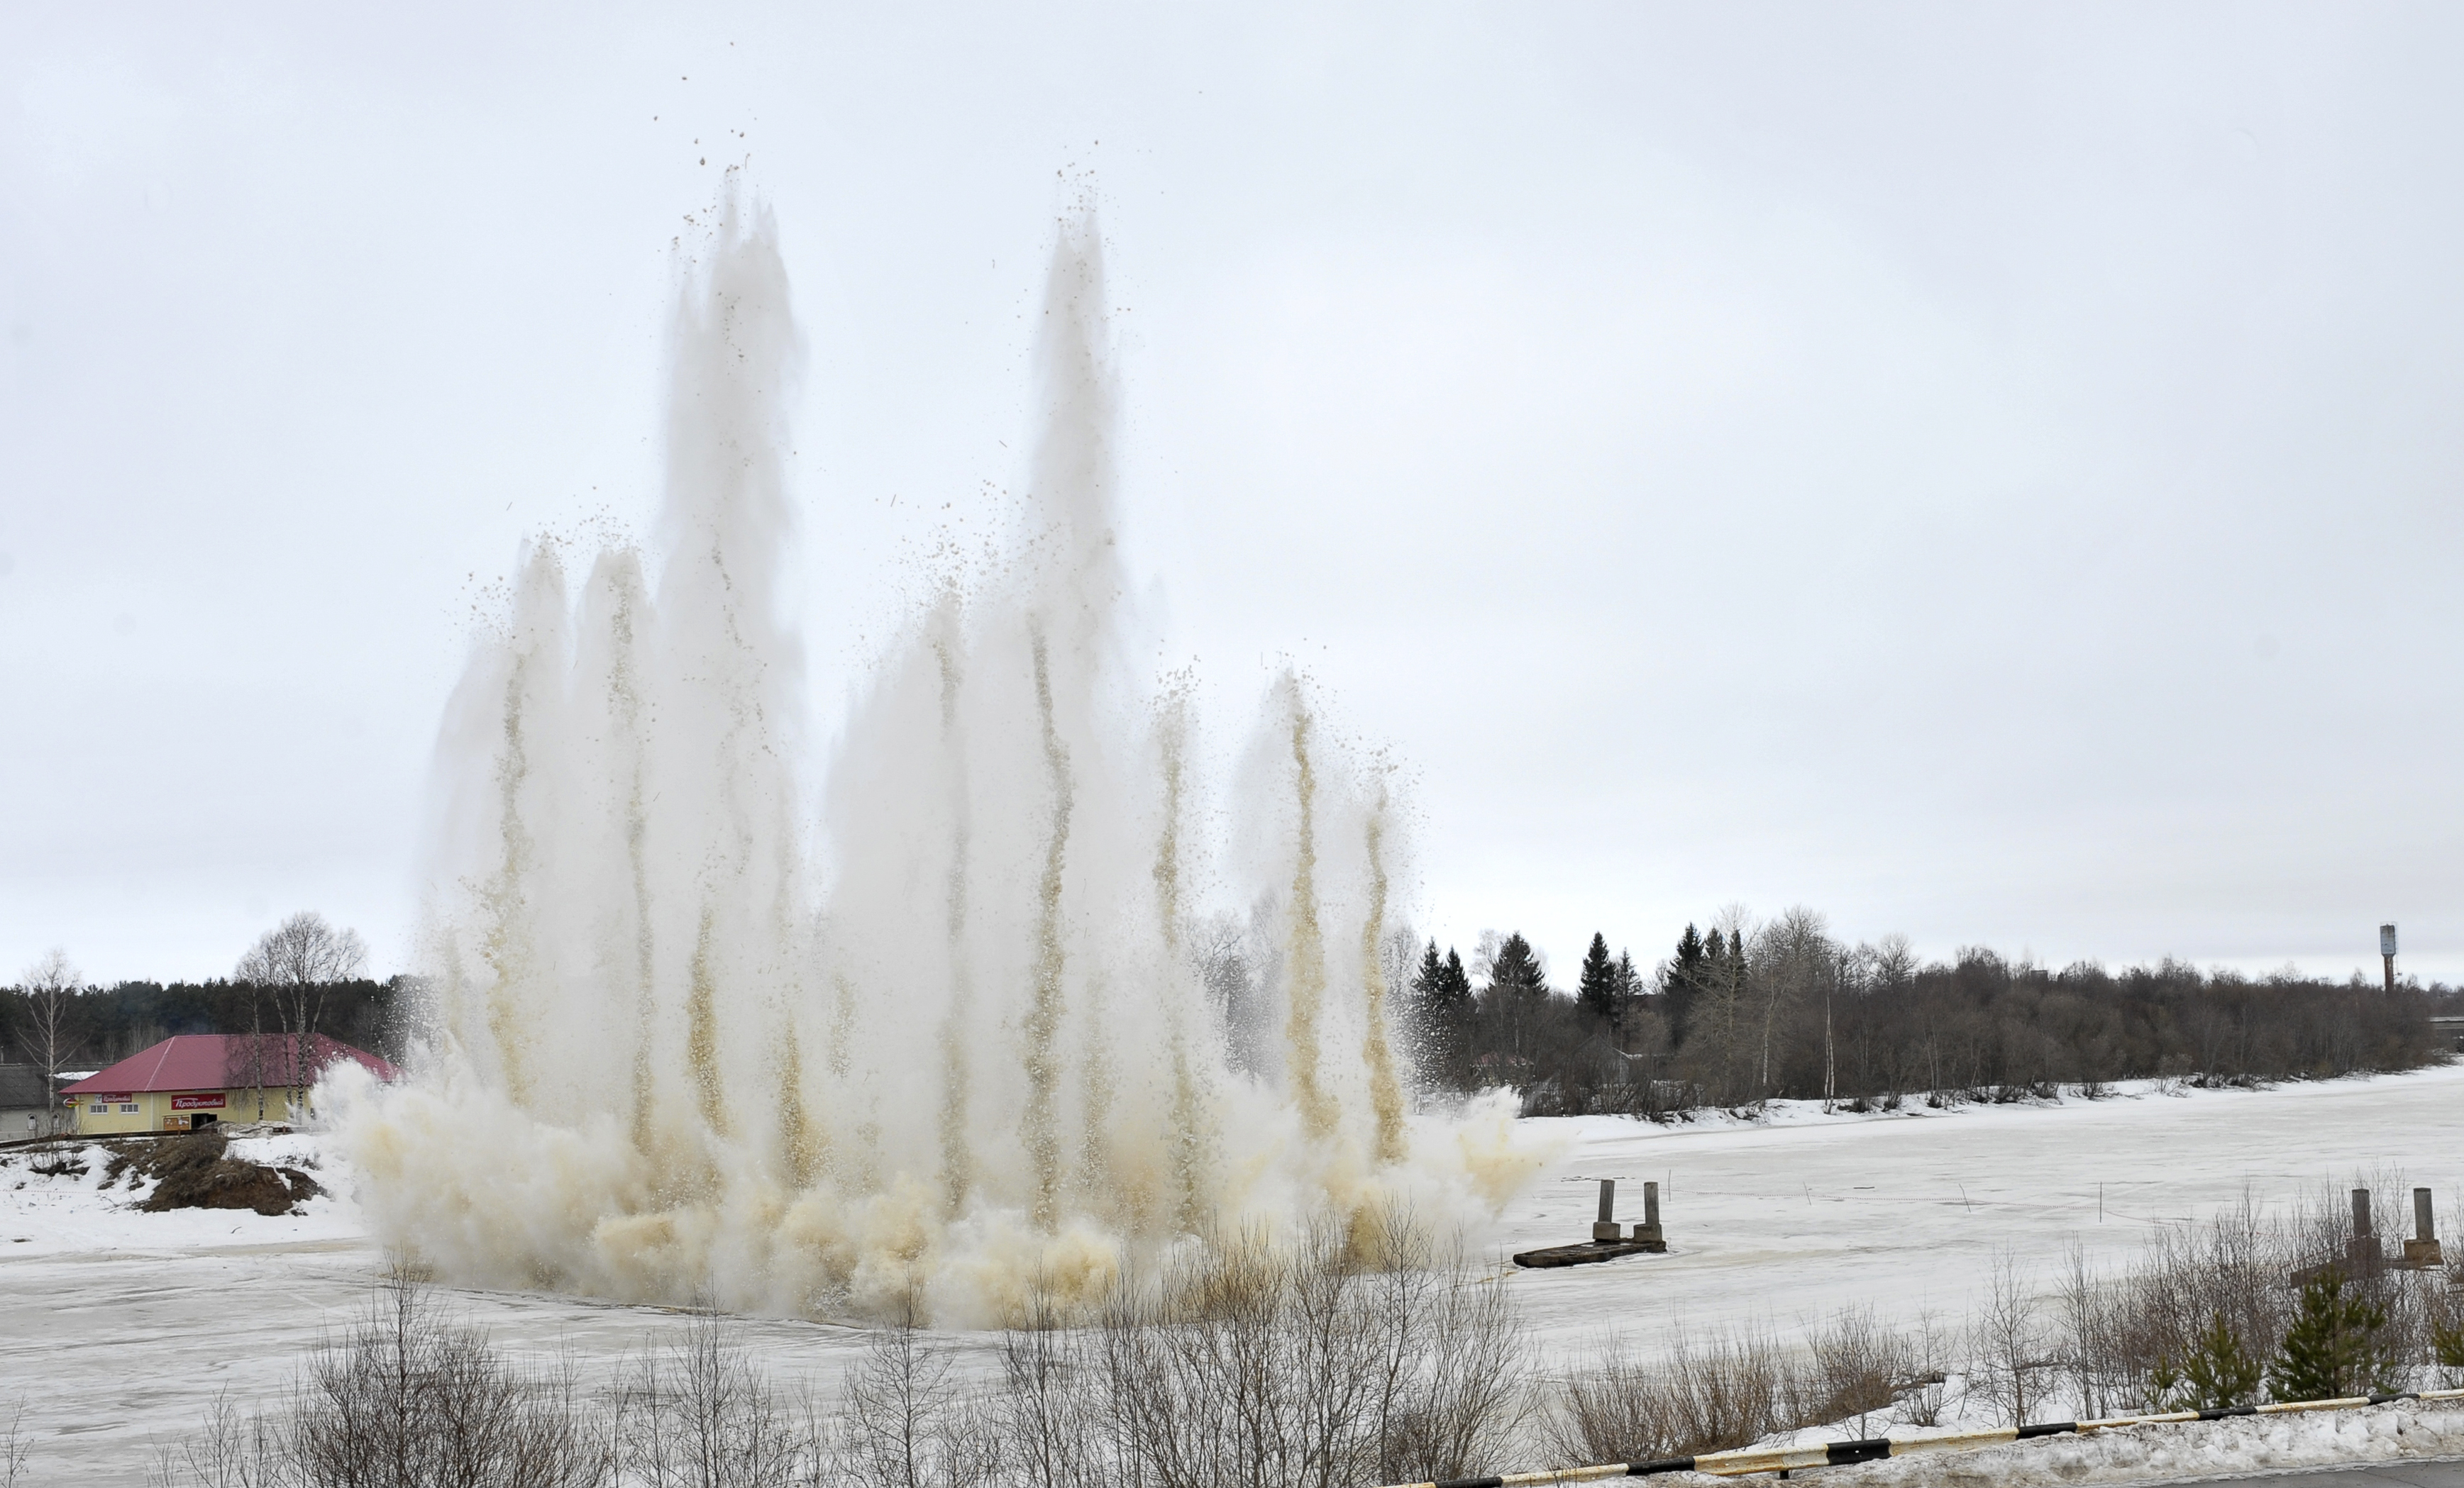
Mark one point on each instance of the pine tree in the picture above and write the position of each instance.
(1442, 987)
(1443, 996)
(1687, 969)
(2447, 1345)
(2332, 1350)
(1597, 989)
(1517, 969)
(1683, 980)
(1454, 986)
(2219, 1373)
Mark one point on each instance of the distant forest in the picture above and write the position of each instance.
(101, 1025)
(1740, 1013)
(1748, 1012)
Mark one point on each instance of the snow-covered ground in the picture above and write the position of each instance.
(41, 1218)
(2248, 1446)
(118, 1327)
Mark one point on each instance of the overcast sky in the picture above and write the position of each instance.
(1985, 472)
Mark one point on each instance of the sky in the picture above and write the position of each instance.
(1988, 474)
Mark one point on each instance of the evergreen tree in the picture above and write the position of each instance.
(1442, 987)
(1517, 969)
(1424, 981)
(1685, 979)
(1454, 985)
(1597, 988)
(1443, 995)
(2447, 1345)
(1687, 967)
(2219, 1373)
(2332, 1349)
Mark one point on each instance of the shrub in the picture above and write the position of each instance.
(2220, 1373)
(2331, 1350)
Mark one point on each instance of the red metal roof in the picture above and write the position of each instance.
(224, 1061)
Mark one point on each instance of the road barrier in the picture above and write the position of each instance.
(1836, 1453)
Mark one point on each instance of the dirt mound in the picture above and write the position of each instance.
(194, 1171)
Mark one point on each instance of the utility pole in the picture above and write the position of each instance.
(2387, 953)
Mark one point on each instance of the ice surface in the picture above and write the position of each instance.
(118, 1327)
(1794, 1217)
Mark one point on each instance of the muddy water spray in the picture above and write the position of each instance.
(962, 1045)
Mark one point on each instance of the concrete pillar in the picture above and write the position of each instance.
(2362, 1253)
(1648, 1232)
(1605, 1227)
(2421, 1252)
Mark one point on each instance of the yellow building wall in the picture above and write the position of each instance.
(158, 1110)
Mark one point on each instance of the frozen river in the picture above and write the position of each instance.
(118, 1327)
(1800, 1216)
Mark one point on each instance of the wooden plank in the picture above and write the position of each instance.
(1586, 1252)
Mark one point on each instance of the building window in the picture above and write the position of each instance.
(100, 1110)
(130, 1109)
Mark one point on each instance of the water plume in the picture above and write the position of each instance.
(954, 1050)
(1376, 1048)
(1306, 949)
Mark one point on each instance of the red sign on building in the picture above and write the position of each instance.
(196, 1103)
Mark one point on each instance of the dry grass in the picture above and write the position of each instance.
(2120, 1332)
(1732, 1389)
(405, 1398)
(1347, 1357)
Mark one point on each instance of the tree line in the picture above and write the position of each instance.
(299, 979)
(1749, 1011)
(1741, 1012)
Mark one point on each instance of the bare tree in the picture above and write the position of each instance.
(2007, 1343)
(701, 1412)
(45, 1026)
(297, 961)
(1894, 962)
(1224, 949)
(405, 1397)
(902, 1423)
(17, 1444)
(1792, 953)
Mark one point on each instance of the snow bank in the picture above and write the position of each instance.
(83, 1211)
(2173, 1453)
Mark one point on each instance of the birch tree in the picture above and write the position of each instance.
(45, 1026)
(297, 963)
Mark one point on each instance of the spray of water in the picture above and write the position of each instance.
(959, 1048)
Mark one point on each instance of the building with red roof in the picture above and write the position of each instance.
(196, 1079)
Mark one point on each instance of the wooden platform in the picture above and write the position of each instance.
(1586, 1252)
